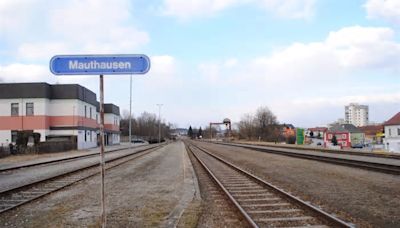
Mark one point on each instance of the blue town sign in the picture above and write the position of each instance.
(99, 64)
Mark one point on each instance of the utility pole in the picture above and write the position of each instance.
(130, 113)
(159, 122)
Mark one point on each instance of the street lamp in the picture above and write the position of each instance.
(159, 122)
(130, 113)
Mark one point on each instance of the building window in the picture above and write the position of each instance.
(97, 118)
(344, 136)
(85, 111)
(14, 136)
(29, 109)
(14, 109)
(390, 132)
(90, 112)
(398, 131)
(85, 135)
(90, 136)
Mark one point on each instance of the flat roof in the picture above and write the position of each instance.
(56, 91)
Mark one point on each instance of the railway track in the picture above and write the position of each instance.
(52, 161)
(325, 150)
(368, 164)
(15, 197)
(218, 205)
(261, 203)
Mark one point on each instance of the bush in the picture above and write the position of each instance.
(60, 146)
(4, 151)
(36, 138)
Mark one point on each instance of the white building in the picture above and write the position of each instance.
(392, 134)
(57, 112)
(111, 124)
(356, 114)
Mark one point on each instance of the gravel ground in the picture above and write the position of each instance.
(363, 197)
(149, 192)
(380, 160)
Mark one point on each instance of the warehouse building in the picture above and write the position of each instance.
(57, 112)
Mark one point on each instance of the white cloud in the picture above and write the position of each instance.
(347, 49)
(344, 100)
(386, 9)
(100, 25)
(163, 64)
(15, 16)
(294, 9)
(40, 51)
(163, 74)
(230, 62)
(86, 26)
(365, 47)
(186, 9)
(316, 79)
(17, 72)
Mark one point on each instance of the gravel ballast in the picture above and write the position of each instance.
(363, 197)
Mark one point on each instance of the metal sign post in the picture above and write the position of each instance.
(102, 159)
(159, 122)
(100, 65)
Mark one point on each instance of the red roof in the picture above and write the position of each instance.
(323, 129)
(371, 129)
(395, 120)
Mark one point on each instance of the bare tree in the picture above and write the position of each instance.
(206, 132)
(263, 125)
(144, 126)
(266, 123)
(247, 127)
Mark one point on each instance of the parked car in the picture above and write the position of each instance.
(358, 145)
(139, 141)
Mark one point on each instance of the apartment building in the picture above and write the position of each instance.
(57, 112)
(356, 114)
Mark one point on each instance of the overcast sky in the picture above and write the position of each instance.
(211, 59)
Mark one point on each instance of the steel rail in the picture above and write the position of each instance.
(324, 150)
(72, 171)
(369, 165)
(221, 186)
(6, 169)
(51, 180)
(317, 211)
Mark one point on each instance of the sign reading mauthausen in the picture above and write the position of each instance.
(99, 64)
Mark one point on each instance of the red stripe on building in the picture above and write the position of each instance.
(111, 127)
(44, 122)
